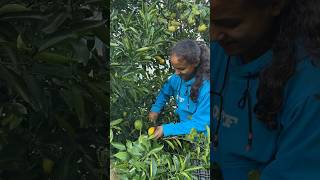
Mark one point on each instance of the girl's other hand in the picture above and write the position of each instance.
(153, 116)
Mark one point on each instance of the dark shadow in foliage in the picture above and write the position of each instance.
(53, 89)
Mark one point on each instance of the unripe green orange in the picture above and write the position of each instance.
(202, 28)
(47, 165)
(172, 28)
(138, 124)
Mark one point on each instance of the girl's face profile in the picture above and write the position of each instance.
(240, 27)
(182, 68)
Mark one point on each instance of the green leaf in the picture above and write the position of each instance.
(87, 25)
(99, 95)
(178, 142)
(20, 43)
(176, 163)
(198, 150)
(52, 41)
(116, 122)
(168, 161)
(55, 70)
(81, 50)
(23, 15)
(66, 166)
(170, 144)
(71, 33)
(183, 165)
(129, 144)
(17, 84)
(122, 156)
(155, 150)
(8, 119)
(54, 58)
(135, 151)
(36, 91)
(186, 160)
(57, 22)
(15, 122)
(193, 169)
(67, 97)
(118, 146)
(79, 105)
(153, 167)
(9, 8)
(111, 135)
(186, 175)
(19, 109)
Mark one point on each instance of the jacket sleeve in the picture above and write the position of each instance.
(200, 119)
(165, 92)
(297, 155)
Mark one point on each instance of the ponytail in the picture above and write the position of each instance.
(202, 71)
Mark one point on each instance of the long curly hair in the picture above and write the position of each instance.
(194, 52)
(299, 20)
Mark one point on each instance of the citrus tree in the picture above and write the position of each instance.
(141, 35)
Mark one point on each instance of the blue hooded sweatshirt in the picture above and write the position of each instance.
(191, 114)
(291, 152)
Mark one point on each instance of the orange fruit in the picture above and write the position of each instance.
(202, 28)
(138, 124)
(151, 131)
(172, 28)
(47, 165)
(162, 61)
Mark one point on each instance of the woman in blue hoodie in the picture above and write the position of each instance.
(266, 86)
(189, 86)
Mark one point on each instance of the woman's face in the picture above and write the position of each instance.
(182, 68)
(241, 27)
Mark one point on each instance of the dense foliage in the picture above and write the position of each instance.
(53, 92)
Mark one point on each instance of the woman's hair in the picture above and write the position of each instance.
(194, 52)
(299, 22)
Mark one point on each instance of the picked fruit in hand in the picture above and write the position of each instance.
(151, 130)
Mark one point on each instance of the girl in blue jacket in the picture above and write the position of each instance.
(189, 86)
(266, 89)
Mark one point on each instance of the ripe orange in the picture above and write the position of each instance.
(151, 130)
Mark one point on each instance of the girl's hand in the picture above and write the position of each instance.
(158, 132)
(153, 116)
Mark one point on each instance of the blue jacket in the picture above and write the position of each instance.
(292, 152)
(191, 114)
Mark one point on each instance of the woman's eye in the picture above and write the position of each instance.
(228, 23)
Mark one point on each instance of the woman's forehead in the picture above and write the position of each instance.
(231, 8)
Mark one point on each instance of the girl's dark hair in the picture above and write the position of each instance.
(299, 22)
(194, 52)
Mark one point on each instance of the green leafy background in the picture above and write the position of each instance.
(53, 89)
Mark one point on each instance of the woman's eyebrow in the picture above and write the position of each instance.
(224, 21)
